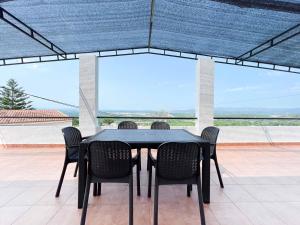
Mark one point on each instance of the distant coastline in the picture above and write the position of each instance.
(267, 112)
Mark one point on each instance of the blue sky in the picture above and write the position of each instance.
(150, 82)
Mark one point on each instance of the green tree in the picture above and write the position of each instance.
(13, 97)
(108, 121)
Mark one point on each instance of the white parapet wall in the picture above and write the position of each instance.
(32, 134)
(51, 134)
(259, 134)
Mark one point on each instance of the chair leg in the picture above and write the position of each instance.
(150, 180)
(218, 171)
(130, 201)
(155, 219)
(148, 159)
(95, 189)
(76, 169)
(188, 190)
(140, 159)
(61, 179)
(138, 182)
(99, 189)
(200, 199)
(85, 202)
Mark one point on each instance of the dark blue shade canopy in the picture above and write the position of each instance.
(220, 28)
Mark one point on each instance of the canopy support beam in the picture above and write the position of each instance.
(281, 6)
(286, 35)
(151, 22)
(24, 28)
(146, 50)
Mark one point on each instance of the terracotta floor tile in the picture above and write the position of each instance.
(37, 215)
(229, 214)
(8, 194)
(288, 212)
(30, 196)
(218, 195)
(66, 215)
(10, 214)
(236, 193)
(258, 214)
(262, 186)
(65, 194)
(178, 214)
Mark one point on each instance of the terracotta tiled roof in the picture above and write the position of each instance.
(31, 116)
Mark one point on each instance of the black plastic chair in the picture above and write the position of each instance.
(211, 134)
(160, 125)
(127, 125)
(109, 162)
(72, 137)
(176, 163)
(131, 126)
(157, 125)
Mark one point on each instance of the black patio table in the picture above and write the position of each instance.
(145, 138)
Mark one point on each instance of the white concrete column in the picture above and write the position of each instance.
(205, 70)
(88, 94)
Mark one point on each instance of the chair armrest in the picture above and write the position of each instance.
(198, 136)
(152, 159)
(73, 146)
(86, 137)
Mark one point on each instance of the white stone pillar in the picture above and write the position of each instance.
(88, 94)
(205, 70)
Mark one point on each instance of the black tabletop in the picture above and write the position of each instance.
(146, 136)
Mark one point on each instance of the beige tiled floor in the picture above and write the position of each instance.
(262, 186)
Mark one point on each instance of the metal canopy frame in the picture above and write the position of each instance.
(146, 50)
(60, 55)
(259, 4)
(284, 36)
(151, 22)
(24, 28)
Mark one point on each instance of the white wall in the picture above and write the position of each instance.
(51, 134)
(250, 134)
(33, 134)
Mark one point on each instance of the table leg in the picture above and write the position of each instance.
(206, 173)
(82, 166)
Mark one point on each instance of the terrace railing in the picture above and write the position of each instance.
(182, 121)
